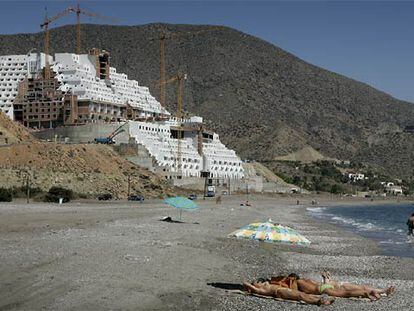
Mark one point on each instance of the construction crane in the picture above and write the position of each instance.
(179, 78)
(45, 26)
(163, 36)
(78, 11)
(162, 68)
(47, 21)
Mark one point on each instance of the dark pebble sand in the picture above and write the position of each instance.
(119, 256)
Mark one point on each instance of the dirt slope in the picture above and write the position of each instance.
(86, 169)
(258, 169)
(305, 155)
(12, 132)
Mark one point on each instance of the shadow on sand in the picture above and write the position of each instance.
(169, 219)
(227, 286)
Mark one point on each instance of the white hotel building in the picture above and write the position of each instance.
(103, 94)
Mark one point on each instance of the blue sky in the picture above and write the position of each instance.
(370, 41)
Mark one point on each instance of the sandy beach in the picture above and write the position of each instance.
(119, 256)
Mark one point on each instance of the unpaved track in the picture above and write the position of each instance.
(119, 256)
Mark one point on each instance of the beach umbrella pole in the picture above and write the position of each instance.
(181, 203)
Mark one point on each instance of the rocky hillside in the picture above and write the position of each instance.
(263, 101)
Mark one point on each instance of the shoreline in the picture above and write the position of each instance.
(118, 255)
(390, 242)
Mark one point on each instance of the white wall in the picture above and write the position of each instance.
(156, 137)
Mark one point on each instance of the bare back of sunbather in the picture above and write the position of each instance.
(327, 279)
(276, 291)
(310, 286)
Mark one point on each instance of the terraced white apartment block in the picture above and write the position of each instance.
(13, 69)
(78, 74)
(220, 161)
(81, 75)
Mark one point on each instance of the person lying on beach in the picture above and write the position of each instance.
(327, 279)
(278, 291)
(245, 204)
(331, 288)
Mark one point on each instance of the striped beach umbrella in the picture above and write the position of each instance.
(181, 203)
(270, 232)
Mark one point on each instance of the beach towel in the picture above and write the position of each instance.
(242, 292)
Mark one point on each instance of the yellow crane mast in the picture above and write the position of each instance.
(162, 68)
(180, 79)
(45, 26)
(163, 36)
(78, 11)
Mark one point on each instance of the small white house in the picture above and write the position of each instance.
(394, 190)
(356, 176)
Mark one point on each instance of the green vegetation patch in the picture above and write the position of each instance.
(55, 193)
(6, 195)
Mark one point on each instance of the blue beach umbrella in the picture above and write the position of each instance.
(181, 203)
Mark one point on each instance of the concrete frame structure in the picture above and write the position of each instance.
(14, 69)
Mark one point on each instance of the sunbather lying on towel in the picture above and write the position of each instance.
(329, 287)
(326, 279)
(278, 291)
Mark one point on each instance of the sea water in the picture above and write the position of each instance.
(384, 223)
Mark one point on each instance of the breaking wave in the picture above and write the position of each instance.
(359, 225)
(316, 209)
(385, 223)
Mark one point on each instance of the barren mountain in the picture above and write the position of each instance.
(262, 100)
